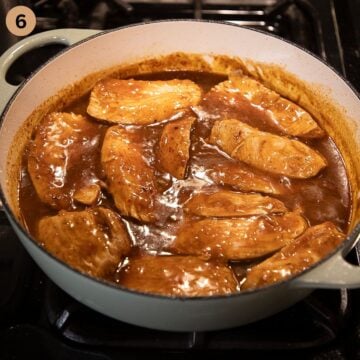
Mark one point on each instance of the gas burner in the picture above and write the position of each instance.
(323, 320)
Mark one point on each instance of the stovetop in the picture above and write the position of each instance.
(38, 320)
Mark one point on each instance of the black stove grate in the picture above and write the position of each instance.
(317, 26)
(295, 20)
(322, 319)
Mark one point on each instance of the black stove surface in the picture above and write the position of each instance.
(38, 320)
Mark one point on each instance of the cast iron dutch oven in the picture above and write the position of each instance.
(90, 52)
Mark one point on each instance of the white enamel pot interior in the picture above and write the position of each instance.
(127, 45)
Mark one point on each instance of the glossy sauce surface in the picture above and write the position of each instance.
(324, 197)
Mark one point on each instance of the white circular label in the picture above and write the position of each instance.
(20, 20)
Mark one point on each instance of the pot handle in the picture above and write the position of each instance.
(334, 273)
(59, 36)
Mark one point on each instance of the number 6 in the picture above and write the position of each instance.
(20, 21)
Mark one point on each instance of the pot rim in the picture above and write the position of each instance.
(345, 246)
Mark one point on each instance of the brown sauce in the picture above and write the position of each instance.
(324, 197)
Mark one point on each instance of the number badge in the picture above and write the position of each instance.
(20, 20)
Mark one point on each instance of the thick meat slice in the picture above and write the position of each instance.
(280, 156)
(93, 241)
(309, 248)
(141, 102)
(174, 146)
(177, 276)
(131, 180)
(227, 134)
(241, 177)
(232, 204)
(59, 144)
(238, 239)
(265, 151)
(284, 115)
